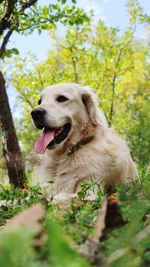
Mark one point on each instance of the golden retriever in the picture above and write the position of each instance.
(76, 142)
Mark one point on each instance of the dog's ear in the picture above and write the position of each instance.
(91, 102)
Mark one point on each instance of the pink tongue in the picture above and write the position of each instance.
(43, 141)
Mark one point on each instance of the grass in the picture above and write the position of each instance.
(123, 244)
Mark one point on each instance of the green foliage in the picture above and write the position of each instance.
(45, 18)
(25, 17)
(58, 248)
(86, 188)
(116, 67)
(131, 239)
(122, 245)
(17, 245)
(9, 52)
(16, 249)
(14, 200)
(136, 12)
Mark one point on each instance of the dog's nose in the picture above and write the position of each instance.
(38, 113)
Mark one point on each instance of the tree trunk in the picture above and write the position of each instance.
(11, 149)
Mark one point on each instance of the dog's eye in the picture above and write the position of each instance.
(39, 101)
(61, 98)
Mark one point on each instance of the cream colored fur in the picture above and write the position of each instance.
(105, 159)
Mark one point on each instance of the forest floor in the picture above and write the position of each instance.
(110, 231)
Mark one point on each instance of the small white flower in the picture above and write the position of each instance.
(15, 202)
(3, 203)
(22, 201)
(27, 198)
(9, 203)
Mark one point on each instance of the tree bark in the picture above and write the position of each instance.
(11, 149)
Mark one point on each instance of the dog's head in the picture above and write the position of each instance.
(62, 109)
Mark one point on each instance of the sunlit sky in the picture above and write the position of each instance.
(113, 12)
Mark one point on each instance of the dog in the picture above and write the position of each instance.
(76, 142)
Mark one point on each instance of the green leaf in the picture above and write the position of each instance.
(15, 51)
(60, 252)
(12, 247)
(63, 2)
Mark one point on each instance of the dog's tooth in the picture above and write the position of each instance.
(60, 130)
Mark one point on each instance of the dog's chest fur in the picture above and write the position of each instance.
(91, 161)
(68, 172)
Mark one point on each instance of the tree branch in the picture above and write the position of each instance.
(28, 4)
(115, 74)
(5, 41)
(114, 85)
(74, 66)
(26, 99)
(5, 21)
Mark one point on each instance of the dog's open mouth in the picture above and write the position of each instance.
(51, 137)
